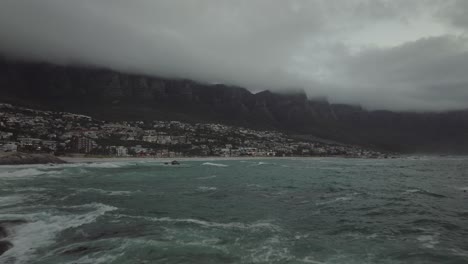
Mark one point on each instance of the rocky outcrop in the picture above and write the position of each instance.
(112, 95)
(3, 232)
(5, 246)
(4, 224)
(17, 158)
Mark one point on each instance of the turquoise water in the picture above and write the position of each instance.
(409, 210)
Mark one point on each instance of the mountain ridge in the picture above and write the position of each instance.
(112, 95)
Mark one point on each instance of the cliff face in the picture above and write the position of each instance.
(111, 95)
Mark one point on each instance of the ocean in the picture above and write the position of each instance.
(318, 210)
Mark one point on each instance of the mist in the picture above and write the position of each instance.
(379, 54)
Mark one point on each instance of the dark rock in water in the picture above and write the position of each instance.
(3, 232)
(13, 222)
(175, 162)
(16, 158)
(5, 246)
(4, 224)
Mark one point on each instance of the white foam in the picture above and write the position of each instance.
(30, 172)
(108, 258)
(412, 191)
(31, 189)
(336, 200)
(105, 192)
(261, 163)
(459, 252)
(428, 241)
(231, 225)
(207, 188)
(214, 164)
(11, 200)
(254, 185)
(207, 177)
(311, 260)
(42, 228)
(301, 236)
(105, 165)
(272, 250)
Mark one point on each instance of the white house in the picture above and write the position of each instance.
(121, 151)
(9, 147)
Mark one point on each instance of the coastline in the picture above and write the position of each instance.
(134, 159)
(71, 159)
(19, 158)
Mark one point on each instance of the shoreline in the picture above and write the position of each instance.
(71, 159)
(75, 160)
(134, 159)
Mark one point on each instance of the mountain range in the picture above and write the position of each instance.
(111, 95)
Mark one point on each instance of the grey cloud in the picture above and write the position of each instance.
(455, 13)
(262, 44)
(426, 74)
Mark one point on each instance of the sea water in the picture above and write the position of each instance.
(321, 210)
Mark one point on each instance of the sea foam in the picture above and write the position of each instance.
(214, 164)
(42, 228)
(30, 172)
(208, 224)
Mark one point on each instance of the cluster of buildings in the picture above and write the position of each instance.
(29, 130)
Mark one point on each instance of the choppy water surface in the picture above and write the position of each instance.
(269, 211)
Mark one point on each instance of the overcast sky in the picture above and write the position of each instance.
(382, 54)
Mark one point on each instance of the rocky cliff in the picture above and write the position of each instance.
(108, 94)
(17, 158)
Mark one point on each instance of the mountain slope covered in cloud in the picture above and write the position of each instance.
(111, 95)
(383, 54)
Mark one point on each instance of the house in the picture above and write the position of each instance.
(5, 135)
(83, 144)
(139, 150)
(50, 144)
(24, 141)
(150, 138)
(9, 147)
(121, 151)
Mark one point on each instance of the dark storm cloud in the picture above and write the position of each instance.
(378, 53)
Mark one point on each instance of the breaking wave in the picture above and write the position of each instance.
(423, 192)
(207, 177)
(428, 241)
(215, 164)
(30, 172)
(10, 200)
(106, 192)
(336, 200)
(206, 188)
(207, 224)
(42, 228)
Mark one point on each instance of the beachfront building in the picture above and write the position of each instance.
(83, 144)
(139, 150)
(9, 147)
(121, 151)
(49, 144)
(26, 141)
(5, 135)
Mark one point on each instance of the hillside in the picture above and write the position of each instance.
(111, 95)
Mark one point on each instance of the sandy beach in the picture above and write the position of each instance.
(134, 159)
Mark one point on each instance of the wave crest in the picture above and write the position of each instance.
(215, 164)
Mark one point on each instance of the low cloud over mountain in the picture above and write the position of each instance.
(382, 54)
